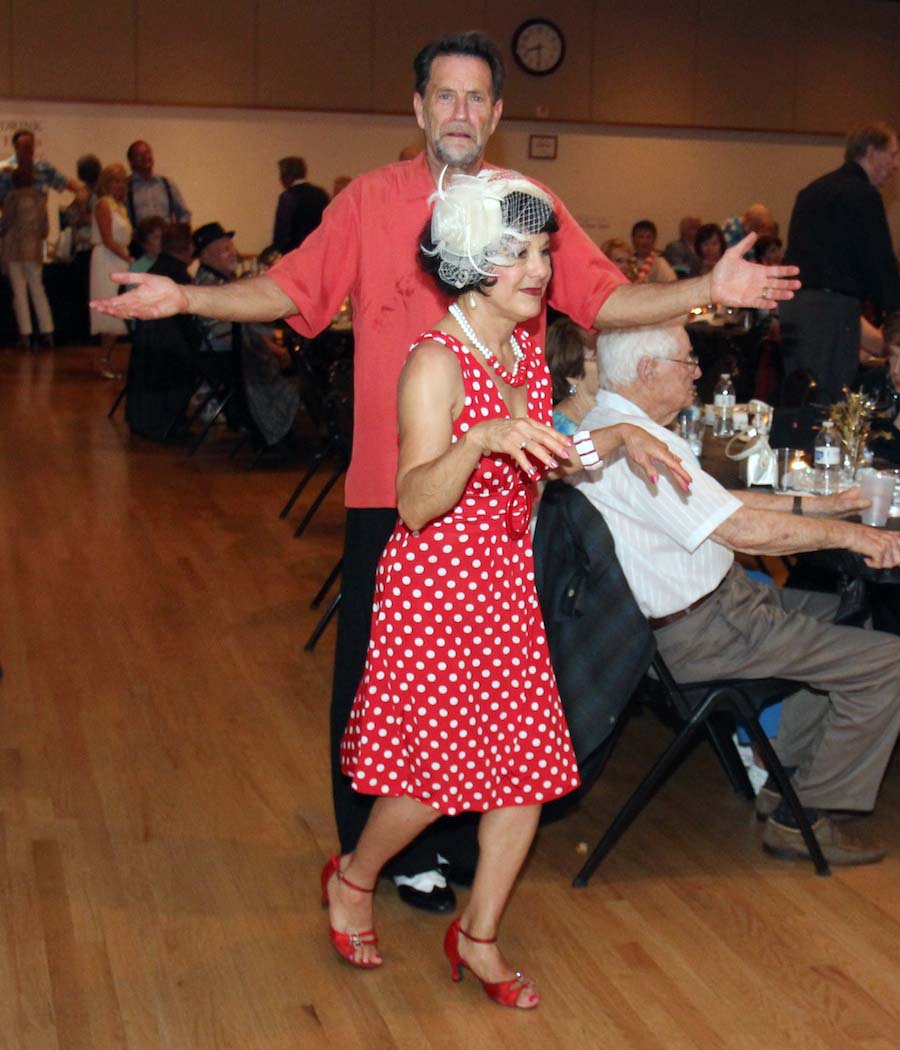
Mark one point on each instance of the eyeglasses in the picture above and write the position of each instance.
(692, 361)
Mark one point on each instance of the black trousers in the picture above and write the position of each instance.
(368, 530)
(821, 331)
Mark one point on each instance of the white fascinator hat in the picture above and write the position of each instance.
(479, 222)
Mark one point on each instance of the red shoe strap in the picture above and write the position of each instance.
(343, 878)
(477, 940)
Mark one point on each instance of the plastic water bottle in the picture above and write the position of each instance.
(828, 460)
(723, 405)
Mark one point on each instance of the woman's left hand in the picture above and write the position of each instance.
(649, 453)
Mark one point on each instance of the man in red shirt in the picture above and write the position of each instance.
(367, 247)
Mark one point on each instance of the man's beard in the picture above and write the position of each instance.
(443, 152)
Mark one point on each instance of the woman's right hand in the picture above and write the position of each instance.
(154, 297)
(649, 453)
(520, 438)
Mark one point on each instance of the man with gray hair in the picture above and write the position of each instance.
(300, 206)
(711, 620)
(839, 237)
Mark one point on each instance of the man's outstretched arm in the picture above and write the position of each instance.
(733, 282)
(255, 299)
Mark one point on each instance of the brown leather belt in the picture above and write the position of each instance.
(663, 621)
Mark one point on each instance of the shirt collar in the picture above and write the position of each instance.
(423, 181)
(608, 399)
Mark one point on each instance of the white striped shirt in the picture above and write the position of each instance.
(661, 534)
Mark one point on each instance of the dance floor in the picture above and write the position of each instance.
(165, 804)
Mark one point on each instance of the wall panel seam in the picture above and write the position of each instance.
(12, 49)
(136, 35)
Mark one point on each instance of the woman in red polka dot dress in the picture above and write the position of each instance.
(458, 709)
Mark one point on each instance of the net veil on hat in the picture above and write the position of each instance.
(479, 222)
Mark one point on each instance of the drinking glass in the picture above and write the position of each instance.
(877, 486)
(787, 460)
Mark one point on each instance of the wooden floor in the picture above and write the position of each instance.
(164, 804)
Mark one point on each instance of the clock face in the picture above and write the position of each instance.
(539, 46)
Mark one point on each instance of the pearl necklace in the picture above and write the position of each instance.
(512, 378)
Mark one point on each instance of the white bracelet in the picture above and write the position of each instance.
(584, 446)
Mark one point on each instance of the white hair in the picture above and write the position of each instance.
(620, 350)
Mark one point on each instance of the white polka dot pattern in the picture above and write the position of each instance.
(458, 705)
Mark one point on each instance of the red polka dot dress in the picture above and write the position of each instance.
(458, 705)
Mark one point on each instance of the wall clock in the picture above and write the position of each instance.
(539, 46)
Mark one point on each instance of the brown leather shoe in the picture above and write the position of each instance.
(769, 799)
(838, 846)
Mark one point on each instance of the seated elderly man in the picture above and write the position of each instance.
(214, 248)
(711, 619)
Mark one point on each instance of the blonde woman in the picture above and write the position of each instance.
(110, 236)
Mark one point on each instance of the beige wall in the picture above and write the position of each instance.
(224, 161)
(793, 65)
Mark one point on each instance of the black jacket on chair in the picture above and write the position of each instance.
(600, 642)
(161, 372)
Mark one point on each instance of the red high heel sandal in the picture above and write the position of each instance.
(506, 993)
(347, 944)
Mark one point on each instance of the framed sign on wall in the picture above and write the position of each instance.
(542, 147)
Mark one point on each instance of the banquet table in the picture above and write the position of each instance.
(840, 565)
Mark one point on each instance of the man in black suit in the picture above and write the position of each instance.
(839, 237)
(300, 206)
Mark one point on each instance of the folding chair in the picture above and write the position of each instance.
(695, 705)
(339, 431)
(332, 609)
(321, 363)
(120, 397)
(221, 372)
(581, 560)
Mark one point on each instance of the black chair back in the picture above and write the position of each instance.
(796, 427)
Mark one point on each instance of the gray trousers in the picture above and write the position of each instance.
(840, 736)
(821, 331)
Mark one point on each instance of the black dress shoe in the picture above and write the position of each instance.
(458, 874)
(439, 899)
